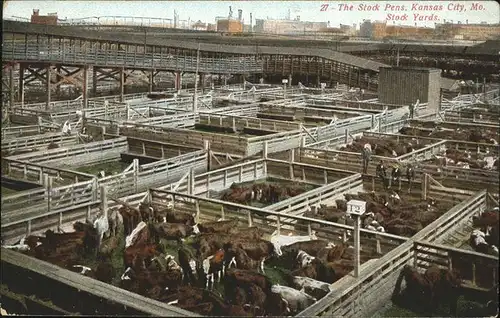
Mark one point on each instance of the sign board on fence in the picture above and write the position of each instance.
(356, 207)
(323, 85)
(284, 81)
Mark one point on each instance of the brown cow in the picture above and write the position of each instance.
(217, 227)
(141, 253)
(257, 249)
(241, 277)
(170, 231)
(243, 261)
(130, 217)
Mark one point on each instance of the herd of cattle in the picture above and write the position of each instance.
(485, 238)
(386, 212)
(217, 269)
(478, 135)
(264, 193)
(385, 147)
(465, 159)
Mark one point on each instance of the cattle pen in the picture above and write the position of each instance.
(223, 197)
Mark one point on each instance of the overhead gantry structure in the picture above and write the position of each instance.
(57, 55)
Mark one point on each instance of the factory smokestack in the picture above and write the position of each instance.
(251, 23)
(240, 14)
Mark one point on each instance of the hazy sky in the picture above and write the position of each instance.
(206, 11)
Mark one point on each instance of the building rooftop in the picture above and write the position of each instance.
(411, 68)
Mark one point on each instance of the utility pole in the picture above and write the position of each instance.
(195, 102)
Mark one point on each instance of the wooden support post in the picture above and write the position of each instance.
(28, 228)
(474, 274)
(225, 178)
(11, 86)
(424, 186)
(151, 80)
(309, 229)
(250, 219)
(104, 201)
(325, 176)
(49, 192)
(94, 80)
(208, 186)
(234, 124)
(346, 135)
(191, 182)
(122, 83)
(240, 177)
(292, 160)
(136, 174)
(48, 87)
(356, 245)
(197, 218)
(264, 164)
(415, 254)
(85, 85)
(278, 225)
(222, 213)
(379, 248)
(94, 189)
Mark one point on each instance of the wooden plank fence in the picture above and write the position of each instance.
(478, 271)
(354, 297)
(240, 122)
(88, 153)
(9, 133)
(33, 172)
(208, 209)
(451, 176)
(38, 141)
(98, 289)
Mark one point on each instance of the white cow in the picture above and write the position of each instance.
(19, 246)
(132, 237)
(284, 240)
(101, 224)
(304, 259)
(312, 287)
(84, 269)
(297, 300)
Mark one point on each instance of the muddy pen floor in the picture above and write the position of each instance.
(468, 305)
(109, 168)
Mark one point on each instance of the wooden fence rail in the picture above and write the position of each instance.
(99, 150)
(38, 141)
(32, 172)
(207, 209)
(354, 297)
(461, 177)
(477, 270)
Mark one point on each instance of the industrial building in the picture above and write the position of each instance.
(229, 25)
(406, 85)
(446, 31)
(288, 26)
(459, 31)
(36, 18)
